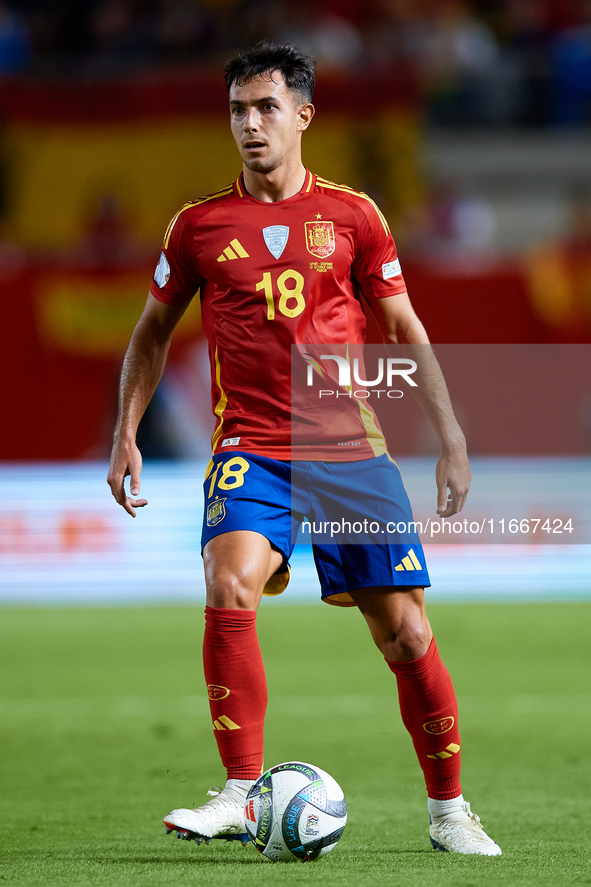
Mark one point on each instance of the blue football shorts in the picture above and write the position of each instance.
(356, 515)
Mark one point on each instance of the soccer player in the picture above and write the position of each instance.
(283, 257)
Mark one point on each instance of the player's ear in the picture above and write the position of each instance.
(305, 114)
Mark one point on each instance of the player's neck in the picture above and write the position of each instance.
(280, 184)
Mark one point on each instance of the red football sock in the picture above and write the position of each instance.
(237, 689)
(429, 712)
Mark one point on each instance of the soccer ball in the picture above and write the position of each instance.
(295, 811)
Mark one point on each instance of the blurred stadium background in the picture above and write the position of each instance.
(469, 123)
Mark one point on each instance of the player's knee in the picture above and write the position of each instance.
(228, 590)
(407, 641)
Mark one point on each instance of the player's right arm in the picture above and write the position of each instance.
(143, 366)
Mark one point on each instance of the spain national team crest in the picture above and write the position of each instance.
(320, 238)
(216, 512)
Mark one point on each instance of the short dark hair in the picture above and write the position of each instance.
(298, 69)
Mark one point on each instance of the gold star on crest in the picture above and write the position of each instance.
(318, 216)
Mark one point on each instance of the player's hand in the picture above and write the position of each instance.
(452, 473)
(126, 460)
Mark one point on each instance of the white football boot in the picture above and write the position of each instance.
(222, 817)
(455, 829)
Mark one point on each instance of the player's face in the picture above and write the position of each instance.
(267, 122)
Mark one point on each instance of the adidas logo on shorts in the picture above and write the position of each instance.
(410, 562)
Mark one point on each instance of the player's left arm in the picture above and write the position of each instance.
(399, 324)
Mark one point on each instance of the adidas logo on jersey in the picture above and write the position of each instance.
(234, 251)
(410, 562)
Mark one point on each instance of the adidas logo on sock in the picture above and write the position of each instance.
(225, 723)
(410, 562)
(452, 749)
(234, 251)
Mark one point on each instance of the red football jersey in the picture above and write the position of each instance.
(271, 276)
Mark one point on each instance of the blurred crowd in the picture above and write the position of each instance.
(497, 62)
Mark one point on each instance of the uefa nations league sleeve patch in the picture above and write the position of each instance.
(391, 269)
(162, 272)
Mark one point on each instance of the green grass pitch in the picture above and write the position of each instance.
(104, 728)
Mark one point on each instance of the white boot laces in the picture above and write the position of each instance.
(455, 823)
(221, 798)
(473, 816)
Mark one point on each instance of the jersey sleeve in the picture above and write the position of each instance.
(376, 267)
(177, 277)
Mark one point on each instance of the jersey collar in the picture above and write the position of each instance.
(241, 192)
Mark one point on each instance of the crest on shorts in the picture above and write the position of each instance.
(320, 238)
(216, 512)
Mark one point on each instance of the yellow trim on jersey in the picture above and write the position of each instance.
(310, 181)
(225, 190)
(200, 200)
(320, 180)
(171, 224)
(221, 404)
(374, 438)
(324, 183)
(383, 218)
(238, 188)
